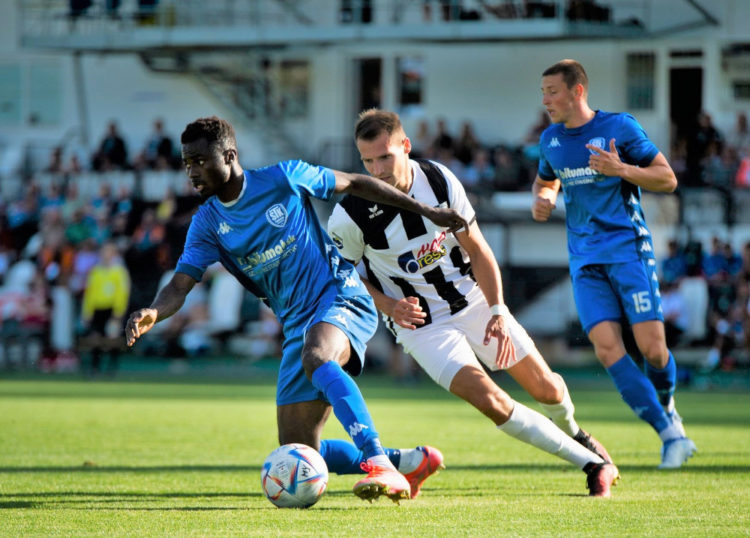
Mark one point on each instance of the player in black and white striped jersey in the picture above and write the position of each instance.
(441, 295)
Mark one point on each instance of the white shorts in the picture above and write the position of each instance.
(442, 348)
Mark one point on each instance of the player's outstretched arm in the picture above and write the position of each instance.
(379, 191)
(545, 196)
(167, 302)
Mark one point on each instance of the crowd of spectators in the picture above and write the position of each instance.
(706, 300)
(52, 236)
(69, 259)
(482, 168)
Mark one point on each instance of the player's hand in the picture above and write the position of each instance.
(506, 351)
(605, 162)
(139, 323)
(407, 313)
(541, 209)
(448, 218)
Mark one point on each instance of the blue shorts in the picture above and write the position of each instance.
(356, 316)
(617, 291)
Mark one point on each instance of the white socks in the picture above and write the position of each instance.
(535, 429)
(410, 459)
(562, 414)
(382, 461)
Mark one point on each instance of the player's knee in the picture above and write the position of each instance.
(609, 352)
(656, 354)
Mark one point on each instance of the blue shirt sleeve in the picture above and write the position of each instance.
(200, 250)
(544, 169)
(634, 144)
(309, 180)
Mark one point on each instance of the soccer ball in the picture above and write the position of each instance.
(294, 476)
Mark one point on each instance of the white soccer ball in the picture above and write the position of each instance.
(294, 476)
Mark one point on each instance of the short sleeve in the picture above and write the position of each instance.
(309, 180)
(544, 169)
(346, 234)
(634, 145)
(200, 250)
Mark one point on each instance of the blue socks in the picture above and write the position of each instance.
(639, 393)
(349, 407)
(342, 457)
(664, 380)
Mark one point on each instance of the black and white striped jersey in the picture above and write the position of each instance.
(404, 254)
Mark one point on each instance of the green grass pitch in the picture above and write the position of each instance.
(166, 458)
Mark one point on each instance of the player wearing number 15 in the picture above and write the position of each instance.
(601, 160)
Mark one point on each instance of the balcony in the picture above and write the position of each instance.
(148, 25)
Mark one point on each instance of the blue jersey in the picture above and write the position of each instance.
(271, 240)
(603, 213)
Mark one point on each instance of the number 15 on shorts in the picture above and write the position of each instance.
(642, 302)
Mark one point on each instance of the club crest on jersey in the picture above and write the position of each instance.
(597, 142)
(276, 215)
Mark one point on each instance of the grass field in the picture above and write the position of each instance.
(125, 458)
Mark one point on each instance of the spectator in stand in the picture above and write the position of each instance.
(705, 134)
(676, 316)
(734, 262)
(715, 262)
(159, 150)
(23, 217)
(74, 166)
(84, 260)
(73, 203)
(52, 199)
(467, 145)
(55, 165)
(479, 175)
(442, 147)
(739, 137)
(147, 257)
(105, 300)
(80, 228)
(744, 273)
(124, 201)
(531, 140)
(112, 153)
(720, 168)
(102, 201)
(422, 141)
(674, 266)
(507, 169)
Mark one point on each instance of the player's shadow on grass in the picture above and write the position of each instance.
(527, 467)
(133, 469)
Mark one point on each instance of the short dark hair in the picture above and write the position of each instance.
(573, 73)
(213, 129)
(373, 122)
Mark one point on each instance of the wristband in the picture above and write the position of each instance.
(498, 310)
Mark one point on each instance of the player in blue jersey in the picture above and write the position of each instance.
(261, 226)
(601, 160)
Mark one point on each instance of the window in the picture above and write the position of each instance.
(640, 81)
(410, 84)
(10, 94)
(30, 94)
(294, 87)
